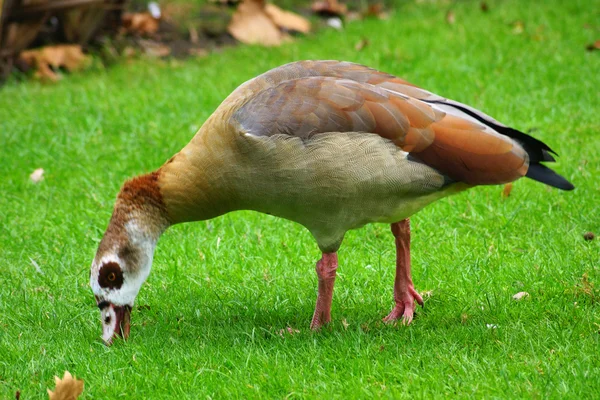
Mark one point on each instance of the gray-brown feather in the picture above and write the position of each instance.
(334, 182)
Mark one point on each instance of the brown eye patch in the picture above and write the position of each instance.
(111, 276)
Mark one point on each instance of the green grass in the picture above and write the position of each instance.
(207, 323)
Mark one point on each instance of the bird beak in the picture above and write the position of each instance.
(115, 321)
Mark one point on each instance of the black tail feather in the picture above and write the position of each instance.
(537, 150)
(541, 173)
(546, 156)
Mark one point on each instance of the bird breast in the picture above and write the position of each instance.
(333, 182)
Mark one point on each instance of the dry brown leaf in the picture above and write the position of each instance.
(67, 388)
(484, 6)
(507, 189)
(287, 20)
(47, 59)
(450, 17)
(329, 8)
(593, 46)
(361, 44)
(37, 175)
(520, 296)
(140, 23)
(250, 24)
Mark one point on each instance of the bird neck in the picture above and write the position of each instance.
(139, 214)
(198, 183)
(138, 219)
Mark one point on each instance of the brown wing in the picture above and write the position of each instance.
(461, 149)
(537, 150)
(329, 68)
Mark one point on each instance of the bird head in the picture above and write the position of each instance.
(118, 271)
(125, 253)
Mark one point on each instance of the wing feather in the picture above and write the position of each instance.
(461, 149)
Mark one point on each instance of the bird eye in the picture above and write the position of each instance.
(110, 276)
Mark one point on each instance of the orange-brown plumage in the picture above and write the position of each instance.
(330, 145)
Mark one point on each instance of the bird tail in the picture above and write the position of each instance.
(543, 174)
(537, 150)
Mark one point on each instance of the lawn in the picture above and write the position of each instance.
(209, 321)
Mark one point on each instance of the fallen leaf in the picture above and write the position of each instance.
(520, 296)
(450, 17)
(140, 23)
(463, 318)
(507, 189)
(593, 46)
(67, 388)
(329, 8)
(48, 59)
(589, 236)
(287, 20)
(427, 293)
(17, 395)
(484, 6)
(37, 175)
(251, 25)
(361, 44)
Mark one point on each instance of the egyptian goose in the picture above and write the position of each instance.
(330, 145)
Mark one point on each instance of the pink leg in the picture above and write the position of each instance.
(404, 290)
(326, 268)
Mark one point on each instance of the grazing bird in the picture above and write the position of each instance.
(330, 145)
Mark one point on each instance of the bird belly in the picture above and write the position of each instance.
(334, 182)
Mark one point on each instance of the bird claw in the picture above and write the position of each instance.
(319, 320)
(405, 308)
